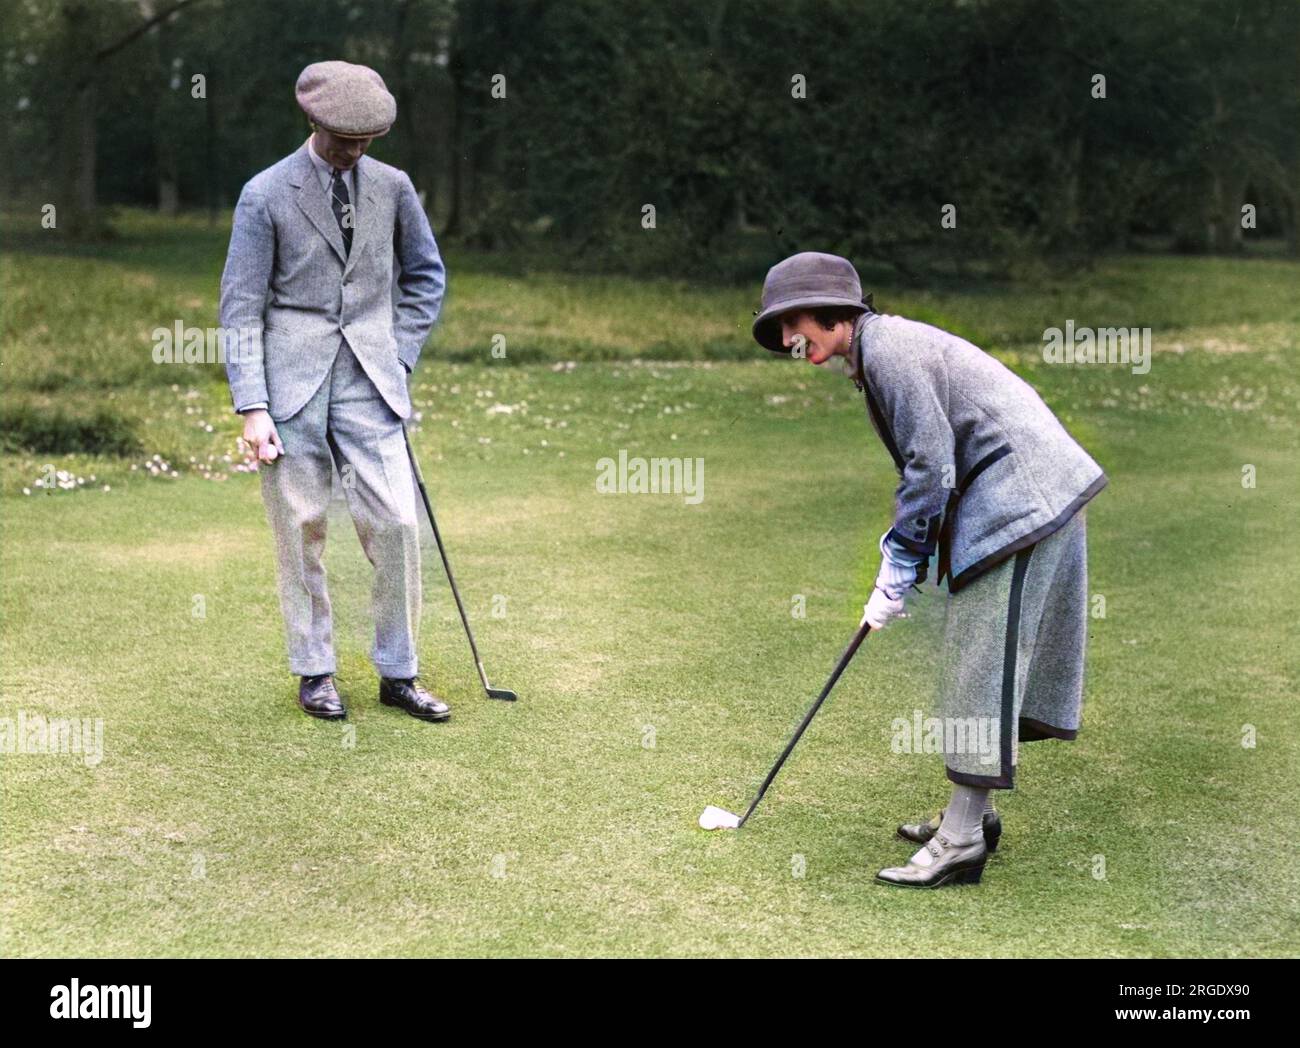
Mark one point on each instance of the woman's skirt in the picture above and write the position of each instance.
(1013, 654)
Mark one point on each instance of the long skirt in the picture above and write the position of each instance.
(1013, 654)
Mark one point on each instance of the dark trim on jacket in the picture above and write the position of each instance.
(939, 527)
(886, 434)
(996, 455)
(873, 406)
(994, 559)
(954, 496)
(925, 549)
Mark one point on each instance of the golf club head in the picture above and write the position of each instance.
(715, 818)
(502, 693)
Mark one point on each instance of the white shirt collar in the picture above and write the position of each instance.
(326, 173)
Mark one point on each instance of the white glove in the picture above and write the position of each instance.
(896, 575)
(881, 609)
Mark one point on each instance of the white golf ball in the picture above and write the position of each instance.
(715, 818)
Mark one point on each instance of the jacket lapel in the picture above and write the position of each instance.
(878, 421)
(314, 204)
(362, 228)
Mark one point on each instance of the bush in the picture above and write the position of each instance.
(26, 427)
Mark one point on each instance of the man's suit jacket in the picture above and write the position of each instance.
(986, 468)
(288, 281)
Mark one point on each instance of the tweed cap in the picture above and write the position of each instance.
(808, 280)
(349, 100)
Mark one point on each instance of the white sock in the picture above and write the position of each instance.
(923, 856)
(963, 820)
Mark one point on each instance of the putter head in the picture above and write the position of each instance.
(715, 818)
(502, 693)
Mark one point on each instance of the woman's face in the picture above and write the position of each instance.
(801, 333)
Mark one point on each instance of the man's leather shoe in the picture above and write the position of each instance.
(410, 696)
(317, 696)
(920, 832)
(951, 863)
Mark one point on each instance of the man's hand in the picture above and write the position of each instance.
(260, 435)
(881, 609)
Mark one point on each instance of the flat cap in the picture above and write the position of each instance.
(349, 100)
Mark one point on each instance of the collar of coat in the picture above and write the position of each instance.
(856, 364)
(316, 206)
(858, 373)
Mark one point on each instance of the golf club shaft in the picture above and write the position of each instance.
(442, 551)
(849, 652)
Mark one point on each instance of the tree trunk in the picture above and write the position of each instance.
(455, 70)
(79, 214)
(81, 57)
(1291, 221)
(405, 106)
(1229, 190)
(211, 167)
(75, 180)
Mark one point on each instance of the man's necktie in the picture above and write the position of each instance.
(342, 207)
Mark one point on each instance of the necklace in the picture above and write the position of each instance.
(855, 355)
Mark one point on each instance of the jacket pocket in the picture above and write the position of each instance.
(994, 496)
(954, 501)
(972, 474)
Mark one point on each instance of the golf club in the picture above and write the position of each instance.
(715, 818)
(492, 693)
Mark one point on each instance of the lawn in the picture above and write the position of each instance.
(651, 641)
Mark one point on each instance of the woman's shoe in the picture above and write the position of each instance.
(951, 864)
(920, 832)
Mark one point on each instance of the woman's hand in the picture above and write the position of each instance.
(881, 609)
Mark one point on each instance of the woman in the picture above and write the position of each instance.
(993, 484)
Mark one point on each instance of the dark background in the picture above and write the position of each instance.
(687, 105)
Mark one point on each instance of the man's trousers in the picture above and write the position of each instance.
(346, 424)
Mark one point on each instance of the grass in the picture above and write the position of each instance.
(651, 641)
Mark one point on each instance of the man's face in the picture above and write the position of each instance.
(341, 153)
(819, 343)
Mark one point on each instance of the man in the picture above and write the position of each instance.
(334, 281)
(992, 483)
